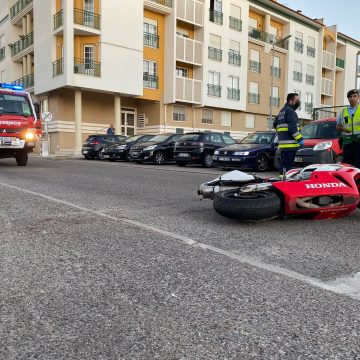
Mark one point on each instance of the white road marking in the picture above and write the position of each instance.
(334, 286)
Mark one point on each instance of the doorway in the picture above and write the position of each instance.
(128, 122)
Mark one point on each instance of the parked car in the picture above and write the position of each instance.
(159, 149)
(256, 151)
(321, 144)
(121, 150)
(199, 147)
(93, 145)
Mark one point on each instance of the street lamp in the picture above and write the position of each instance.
(272, 76)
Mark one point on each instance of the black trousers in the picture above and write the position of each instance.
(287, 159)
(351, 154)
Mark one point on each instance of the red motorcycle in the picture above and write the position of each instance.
(321, 191)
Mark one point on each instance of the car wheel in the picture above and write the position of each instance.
(181, 163)
(128, 156)
(138, 161)
(87, 157)
(207, 161)
(261, 162)
(21, 158)
(100, 155)
(254, 206)
(159, 158)
(112, 160)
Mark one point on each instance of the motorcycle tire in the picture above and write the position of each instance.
(257, 206)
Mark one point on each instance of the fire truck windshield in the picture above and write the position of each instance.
(15, 105)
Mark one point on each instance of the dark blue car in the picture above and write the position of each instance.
(256, 151)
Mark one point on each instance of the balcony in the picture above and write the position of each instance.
(151, 40)
(264, 36)
(190, 11)
(17, 10)
(299, 47)
(22, 44)
(297, 76)
(309, 107)
(26, 82)
(255, 66)
(58, 67)
(189, 51)
(214, 90)
(160, 6)
(327, 87)
(58, 19)
(233, 94)
(274, 101)
(188, 90)
(215, 54)
(328, 60)
(167, 3)
(310, 51)
(151, 81)
(235, 23)
(216, 16)
(87, 67)
(234, 58)
(254, 98)
(275, 71)
(2, 53)
(310, 79)
(340, 63)
(87, 18)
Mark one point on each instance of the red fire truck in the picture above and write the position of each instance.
(19, 123)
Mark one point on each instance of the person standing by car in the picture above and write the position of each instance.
(286, 125)
(110, 130)
(348, 122)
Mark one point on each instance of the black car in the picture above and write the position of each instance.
(94, 144)
(198, 147)
(159, 149)
(257, 151)
(121, 151)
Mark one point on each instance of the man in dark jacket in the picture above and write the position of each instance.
(286, 125)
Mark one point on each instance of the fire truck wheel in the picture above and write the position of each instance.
(257, 206)
(21, 158)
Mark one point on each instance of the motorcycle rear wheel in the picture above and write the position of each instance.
(257, 206)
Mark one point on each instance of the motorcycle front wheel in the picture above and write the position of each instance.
(256, 206)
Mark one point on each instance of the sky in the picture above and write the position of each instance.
(343, 13)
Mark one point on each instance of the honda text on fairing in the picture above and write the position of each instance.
(20, 125)
(318, 191)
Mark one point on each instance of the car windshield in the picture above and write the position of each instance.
(190, 137)
(160, 138)
(133, 138)
(320, 130)
(258, 138)
(14, 104)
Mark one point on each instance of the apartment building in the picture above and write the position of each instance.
(170, 65)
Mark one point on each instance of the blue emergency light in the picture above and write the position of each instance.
(11, 86)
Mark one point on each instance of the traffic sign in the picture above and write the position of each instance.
(46, 116)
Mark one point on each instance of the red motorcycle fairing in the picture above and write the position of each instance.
(324, 195)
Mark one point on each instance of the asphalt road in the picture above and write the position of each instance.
(123, 261)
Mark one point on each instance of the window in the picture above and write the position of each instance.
(309, 102)
(207, 116)
(275, 100)
(298, 42)
(150, 74)
(255, 65)
(233, 88)
(179, 113)
(227, 138)
(225, 118)
(275, 69)
(182, 72)
(151, 38)
(298, 71)
(311, 46)
(235, 17)
(234, 53)
(214, 78)
(310, 74)
(249, 121)
(215, 52)
(89, 59)
(216, 14)
(216, 138)
(214, 88)
(88, 6)
(254, 97)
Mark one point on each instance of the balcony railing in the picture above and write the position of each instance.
(254, 98)
(299, 46)
(328, 60)
(327, 87)
(2, 53)
(340, 63)
(87, 67)
(235, 23)
(167, 3)
(297, 76)
(22, 44)
(18, 7)
(274, 101)
(310, 79)
(215, 54)
(233, 94)
(26, 81)
(264, 36)
(86, 18)
(308, 107)
(255, 66)
(188, 90)
(275, 71)
(234, 58)
(216, 16)
(310, 51)
(58, 19)
(58, 67)
(151, 81)
(214, 90)
(151, 40)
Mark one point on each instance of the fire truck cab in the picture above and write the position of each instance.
(19, 123)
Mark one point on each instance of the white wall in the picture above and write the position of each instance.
(351, 51)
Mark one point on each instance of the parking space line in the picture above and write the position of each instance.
(243, 259)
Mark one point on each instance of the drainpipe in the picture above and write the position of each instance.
(165, 125)
(193, 117)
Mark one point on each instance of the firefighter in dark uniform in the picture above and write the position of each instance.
(286, 125)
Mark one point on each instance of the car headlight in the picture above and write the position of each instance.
(121, 147)
(151, 147)
(241, 153)
(322, 146)
(216, 152)
(29, 136)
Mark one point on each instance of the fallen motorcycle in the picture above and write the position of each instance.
(321, 191)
